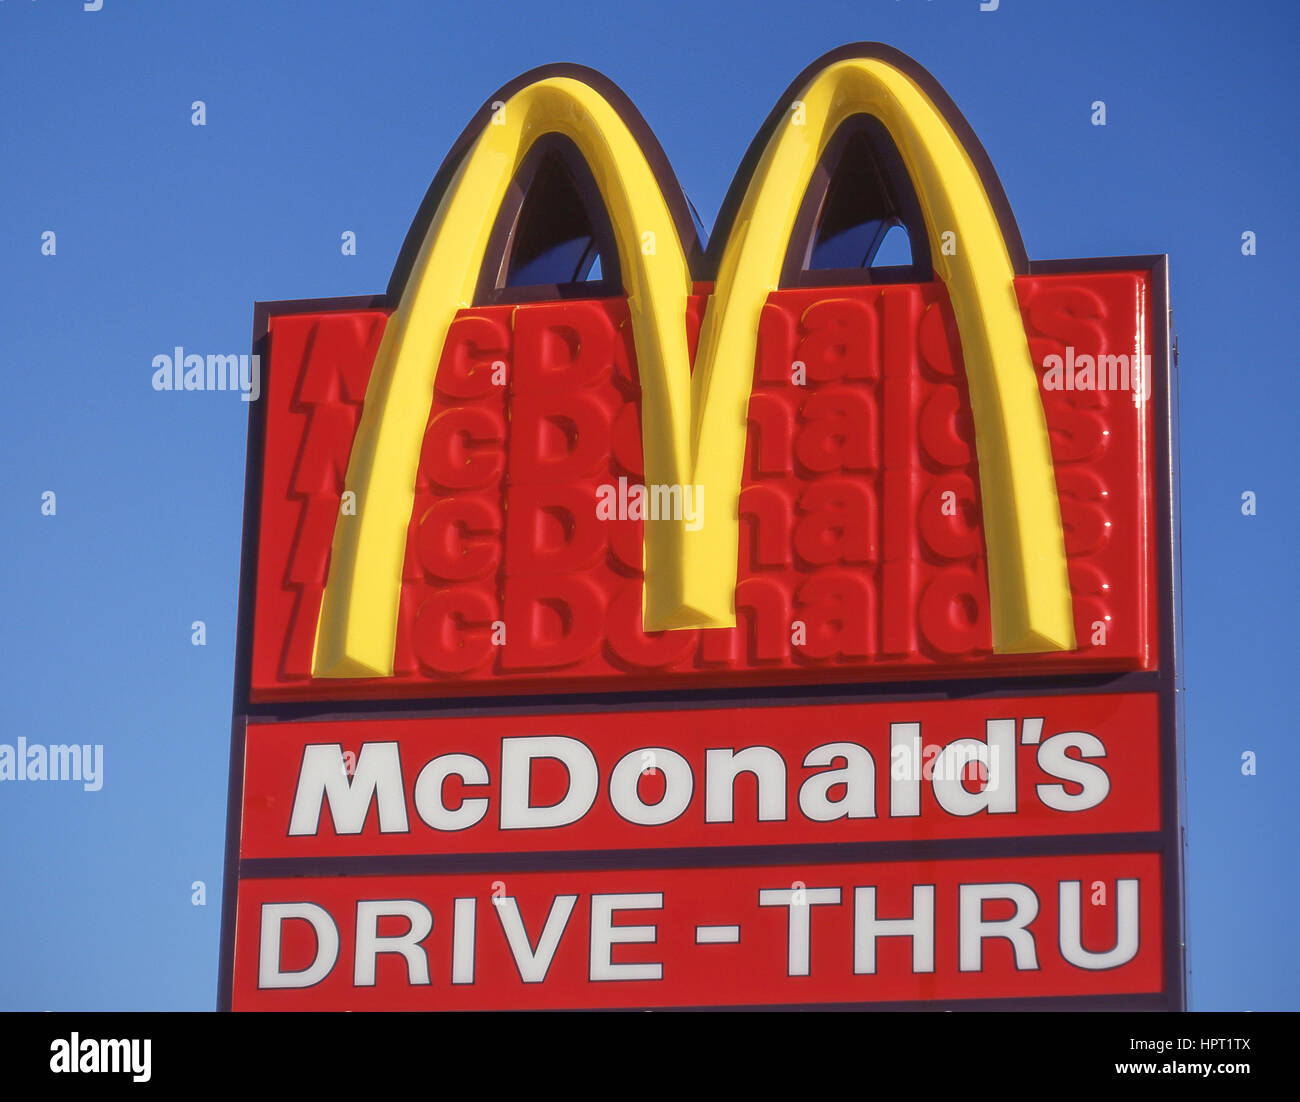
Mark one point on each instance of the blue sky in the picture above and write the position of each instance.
(333, 116)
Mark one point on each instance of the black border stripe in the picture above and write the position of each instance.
(775, 696)
(928, 851)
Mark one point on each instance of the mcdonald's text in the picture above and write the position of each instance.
(690, 777)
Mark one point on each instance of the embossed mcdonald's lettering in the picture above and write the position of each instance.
(577, 459)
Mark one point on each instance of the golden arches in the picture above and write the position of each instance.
(694, 426)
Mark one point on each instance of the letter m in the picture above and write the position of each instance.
(665, 502)
(115, 1055)
(1113, 372)
(377, 778)
(65, 762)
(223, 372)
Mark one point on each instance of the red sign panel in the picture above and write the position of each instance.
(784, 934)
(703, 777)
(860, 505)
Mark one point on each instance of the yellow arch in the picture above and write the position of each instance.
(1029, 587)
(694, 427)
(357, 628)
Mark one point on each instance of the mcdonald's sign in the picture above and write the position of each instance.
(630, 621)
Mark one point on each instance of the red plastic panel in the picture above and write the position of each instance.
(703, 777)
(1004, 928)
(862, 552)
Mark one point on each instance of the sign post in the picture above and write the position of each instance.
(751, 625)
